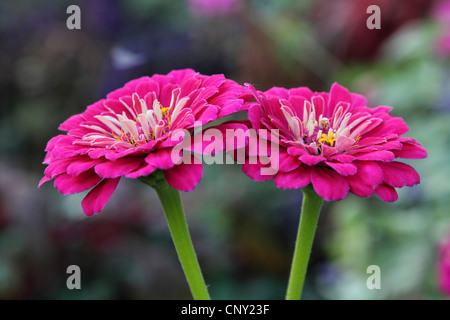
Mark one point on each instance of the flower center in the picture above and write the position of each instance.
(330, 140)
(316, 130)
(140, 124)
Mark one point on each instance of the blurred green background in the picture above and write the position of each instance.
(243, 230)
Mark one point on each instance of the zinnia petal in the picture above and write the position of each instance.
(386, 192)
(328, 184)
(184, 177)
(399, 174)
(67, 184)
(97, 198)
(297, 178)
(117, 168)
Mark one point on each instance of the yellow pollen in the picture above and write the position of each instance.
(164, 110)
(119, 138)
(330, 139)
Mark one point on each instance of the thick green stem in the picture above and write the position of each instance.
(173, 210)
(305, 237)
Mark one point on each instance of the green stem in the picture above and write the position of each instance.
(173, 210)
(305, 237)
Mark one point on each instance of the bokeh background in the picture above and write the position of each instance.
(243, 230)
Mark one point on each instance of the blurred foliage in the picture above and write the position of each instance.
(243, 230)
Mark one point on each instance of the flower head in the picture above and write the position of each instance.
(132, 132)
(334, 142)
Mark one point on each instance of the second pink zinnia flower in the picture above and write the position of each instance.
(130, 134)
(334, 142)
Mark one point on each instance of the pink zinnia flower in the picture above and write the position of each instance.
(334, 142)
(132, 132)
(444, 267)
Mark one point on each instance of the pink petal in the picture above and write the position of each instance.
(393, 125)
(398, 174)
(133, 84)
(411, 149)
(143, 88)
(67, 184)
(344, 169)
(287, 162)
(57, 167)
(258, 145)
(82, 164)
(144, 170)
(280, 92)
(163, 158)
(149, 146)
(386, 192)
(311, 160)
(339, 94)
(368, 176)
(181, 75)
(227, 136)
(184, 177)
(176, 137)
(376, 155)
(358, 100)
(296, 151)
(319, 105)
(381, 110)
(297, 178)
(361, 189)
(392, 145)
(255, 114)
(117, 168)
(230, 107)
(43, 180)
(301, 91)
(58, 140)
(368, 172)
(254, 171)
(344, 158)
(343, 143)
(328, 151)
(73, 122)
(96, 153)
(370, 141)
(188, 86)
(97, 198)
(235, 134)
(215, 80)
(207, 114)
(329, 184)
(122, 92)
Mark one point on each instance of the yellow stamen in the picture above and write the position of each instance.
(164, 110)
(330, 140)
